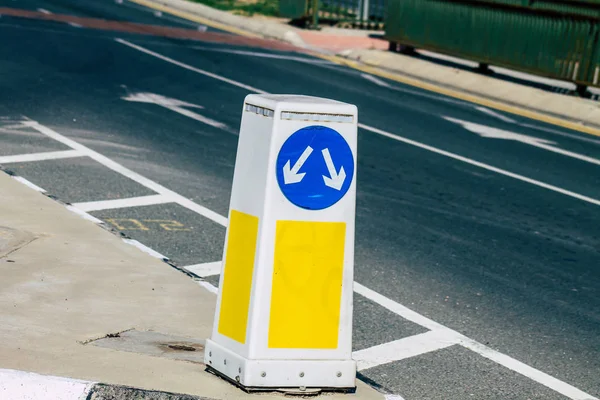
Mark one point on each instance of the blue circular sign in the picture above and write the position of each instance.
(315, 167)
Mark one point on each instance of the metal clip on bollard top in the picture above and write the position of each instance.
(284, 308)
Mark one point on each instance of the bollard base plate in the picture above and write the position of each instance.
(304, 377)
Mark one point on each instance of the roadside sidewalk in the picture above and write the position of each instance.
(368, 54)
(78, 301)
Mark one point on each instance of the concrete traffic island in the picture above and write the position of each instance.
(77, 302)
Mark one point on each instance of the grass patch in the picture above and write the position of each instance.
(269, 8)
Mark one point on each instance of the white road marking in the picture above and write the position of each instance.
(145, 249)
(83, 214)
(502, 359)
(134, 176)
(50, 155)
(376, 80)
(74, 25)
(206, 269)
(393, 397)
(43, 10)
(525, 370)
(398, 309)
(407, 347)
(495, 133)
(481, 165)
(560, 133)
(27, 183)
(123, 203)
(495, 114)
(27, 385)
(189, 67)
(176, 106)
(266, 55)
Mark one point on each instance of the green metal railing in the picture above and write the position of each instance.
(369, 14)
(557, 39)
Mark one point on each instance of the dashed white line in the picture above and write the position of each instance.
(43, 10)
(123, 203)
(145, 248)
(49, 155)
(206, 269)
(189, 67)
(29, 184)
(495, 114)
(265, 55)
(376, 80)
(83, 214)
(407, 347)
(74, 25)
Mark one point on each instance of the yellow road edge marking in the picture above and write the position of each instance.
(394, 77)
(194, 18)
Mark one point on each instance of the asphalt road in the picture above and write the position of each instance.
(497, 239)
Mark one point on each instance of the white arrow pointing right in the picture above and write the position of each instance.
(291, 175)
(495, 133)
(337, 180)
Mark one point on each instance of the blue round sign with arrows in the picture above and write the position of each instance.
(315, 167)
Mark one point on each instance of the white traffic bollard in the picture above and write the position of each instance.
(284, 308)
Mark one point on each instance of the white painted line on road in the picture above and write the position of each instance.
(481, 165)
(451, 335)
(495, 114)
(134, 176)
(266, 55)
(123, 203)
(189, 67)
(15, 385)
(206, 269)
(495, 133)
(403, 348)
(145, 249)
(83, 214)
(29, 184)
(393, 397)
(74, 25)
(376, 80)
(43, 10)
(525, 370)
(398, 309)
(50, 155)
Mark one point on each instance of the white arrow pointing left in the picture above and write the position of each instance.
(335, 179)
(495, 133)
(290, 174)
(174, 105)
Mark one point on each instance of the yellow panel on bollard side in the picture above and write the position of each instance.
(307, 285)
(237, 280)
